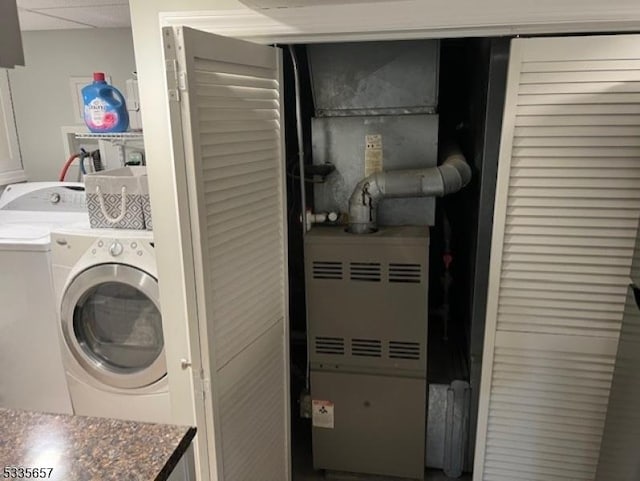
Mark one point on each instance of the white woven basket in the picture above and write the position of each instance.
(115, 198)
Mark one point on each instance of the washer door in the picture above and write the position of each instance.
(112, 324)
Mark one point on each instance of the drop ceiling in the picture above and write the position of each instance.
(68, 14)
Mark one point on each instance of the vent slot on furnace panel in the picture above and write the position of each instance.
(327, 270)
(365, 271)
(366, 347)
(404, 350)
(411, 273)
(330, 345)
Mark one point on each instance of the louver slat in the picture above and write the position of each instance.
(365, 271)
(576, 120)
(329, 345)
(366, 347)
(567, 208)
(404, 350)
(327, 270)
(408, 273)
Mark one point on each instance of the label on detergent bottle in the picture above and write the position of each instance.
(98, 115)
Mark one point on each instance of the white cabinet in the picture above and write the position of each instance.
(10, 160)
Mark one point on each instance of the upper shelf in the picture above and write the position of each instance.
(117, 136)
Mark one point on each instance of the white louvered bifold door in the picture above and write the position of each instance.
(229, 93)
(566, 215)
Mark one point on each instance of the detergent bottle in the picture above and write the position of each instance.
(105, 109)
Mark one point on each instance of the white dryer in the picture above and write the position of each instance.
(31, 372)
(110, 324)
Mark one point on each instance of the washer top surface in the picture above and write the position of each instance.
(28, 230)
(10, 233)
(29, 211)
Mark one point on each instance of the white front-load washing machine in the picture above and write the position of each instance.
(110, 323)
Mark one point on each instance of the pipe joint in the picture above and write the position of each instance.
(453, 175)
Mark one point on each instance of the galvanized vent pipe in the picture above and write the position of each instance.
(300, 139)
(449, 177)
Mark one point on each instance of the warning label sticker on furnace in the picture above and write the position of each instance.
(372, 154)
(322, 414)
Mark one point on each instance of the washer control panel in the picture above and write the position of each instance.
(121, 249)
(48, 198)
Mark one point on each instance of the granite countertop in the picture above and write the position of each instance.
(82, 448)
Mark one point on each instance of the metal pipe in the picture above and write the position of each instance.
(303, 188)
(450, 177)
(301, 156)
(321, 218)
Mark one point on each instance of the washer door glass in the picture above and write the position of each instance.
(118, 325)
(112, 325)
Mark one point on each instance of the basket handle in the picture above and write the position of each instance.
(123, 205)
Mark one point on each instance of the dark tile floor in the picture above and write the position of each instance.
(432, 475)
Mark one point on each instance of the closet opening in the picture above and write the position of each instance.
(388, 269)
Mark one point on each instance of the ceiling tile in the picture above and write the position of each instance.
(97, 16)
(35, 21)
(37, 4)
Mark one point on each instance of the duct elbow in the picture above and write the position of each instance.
(362, 204)
(450, 177)
(455, 172)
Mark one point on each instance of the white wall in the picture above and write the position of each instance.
(41, 93)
